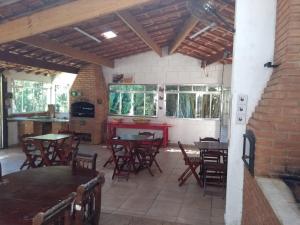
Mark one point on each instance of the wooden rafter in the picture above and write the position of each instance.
(215, 58)
(189, 25)
(26, 61)
(56, 47)
(61, 16)
(137, 28)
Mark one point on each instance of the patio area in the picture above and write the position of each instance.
(144, 199)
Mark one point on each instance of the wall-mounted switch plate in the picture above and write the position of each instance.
(241, 118)
(241, 108)
(242, 99)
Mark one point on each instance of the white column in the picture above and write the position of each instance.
(255, 22)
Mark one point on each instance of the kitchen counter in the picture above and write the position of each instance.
(38, 119)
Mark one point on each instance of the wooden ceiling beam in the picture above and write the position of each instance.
(137, 28)
(26, 61)
(215, 58)
(61, 16)
(53, 46)
(188, 26)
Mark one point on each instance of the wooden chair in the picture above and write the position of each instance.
(32, 149)
(60, 214)
(117, 148)
(35, 154)
(88, 202)
(69, 147)
(124, 161)
(84, 161)
(147, 152)
(193, 163)
(213, 156)
(214, 172)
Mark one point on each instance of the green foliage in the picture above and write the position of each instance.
(133, 100)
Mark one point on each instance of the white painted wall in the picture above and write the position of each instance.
(253, 46)
(149, 68)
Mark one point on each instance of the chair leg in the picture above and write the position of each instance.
(183, 174)
(25, 163)
(184, 179)
(157, 165)
(109, 161)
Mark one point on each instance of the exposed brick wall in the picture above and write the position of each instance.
(276, 120)
(91, 84)
(256, 208)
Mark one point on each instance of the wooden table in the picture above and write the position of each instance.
(112, 126)
(23, 194)
(54, 141)
(51, 137)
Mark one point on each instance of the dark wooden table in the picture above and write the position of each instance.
(23, 194)
(219, 146)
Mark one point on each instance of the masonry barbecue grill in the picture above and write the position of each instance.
(82, 109)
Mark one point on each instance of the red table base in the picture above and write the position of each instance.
(112, 127)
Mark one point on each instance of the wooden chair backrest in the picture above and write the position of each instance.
(185, 156)
(117, 144)
(84, 161)
(209, 139)
(60, 214)
(88, 201)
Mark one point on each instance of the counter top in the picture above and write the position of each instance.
(38, 119)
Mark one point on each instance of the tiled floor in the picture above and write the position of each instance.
(144, 196)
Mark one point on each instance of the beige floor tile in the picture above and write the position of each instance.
(170, 195)
(155, 197)
(134, 204)
(144, 221)
(164, 209)
(218, 203)
(114, 219)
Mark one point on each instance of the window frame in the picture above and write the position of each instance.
(132, 93)
(48, 96)
(197, 94)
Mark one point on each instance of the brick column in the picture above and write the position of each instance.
(276, 120)
(91, 84)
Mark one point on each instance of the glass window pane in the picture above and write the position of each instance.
(187, 103)
(199, 106)
(185, 88)
(199, 88)
(151, 87)
(62, 98)
(115, 87)
(171, 104)
(136, 87)
(205, 112)
(126, 104)
(171, 88)
(215, 106)
(150, 105)
(213, 89)
(114, 103)
(138, 104)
